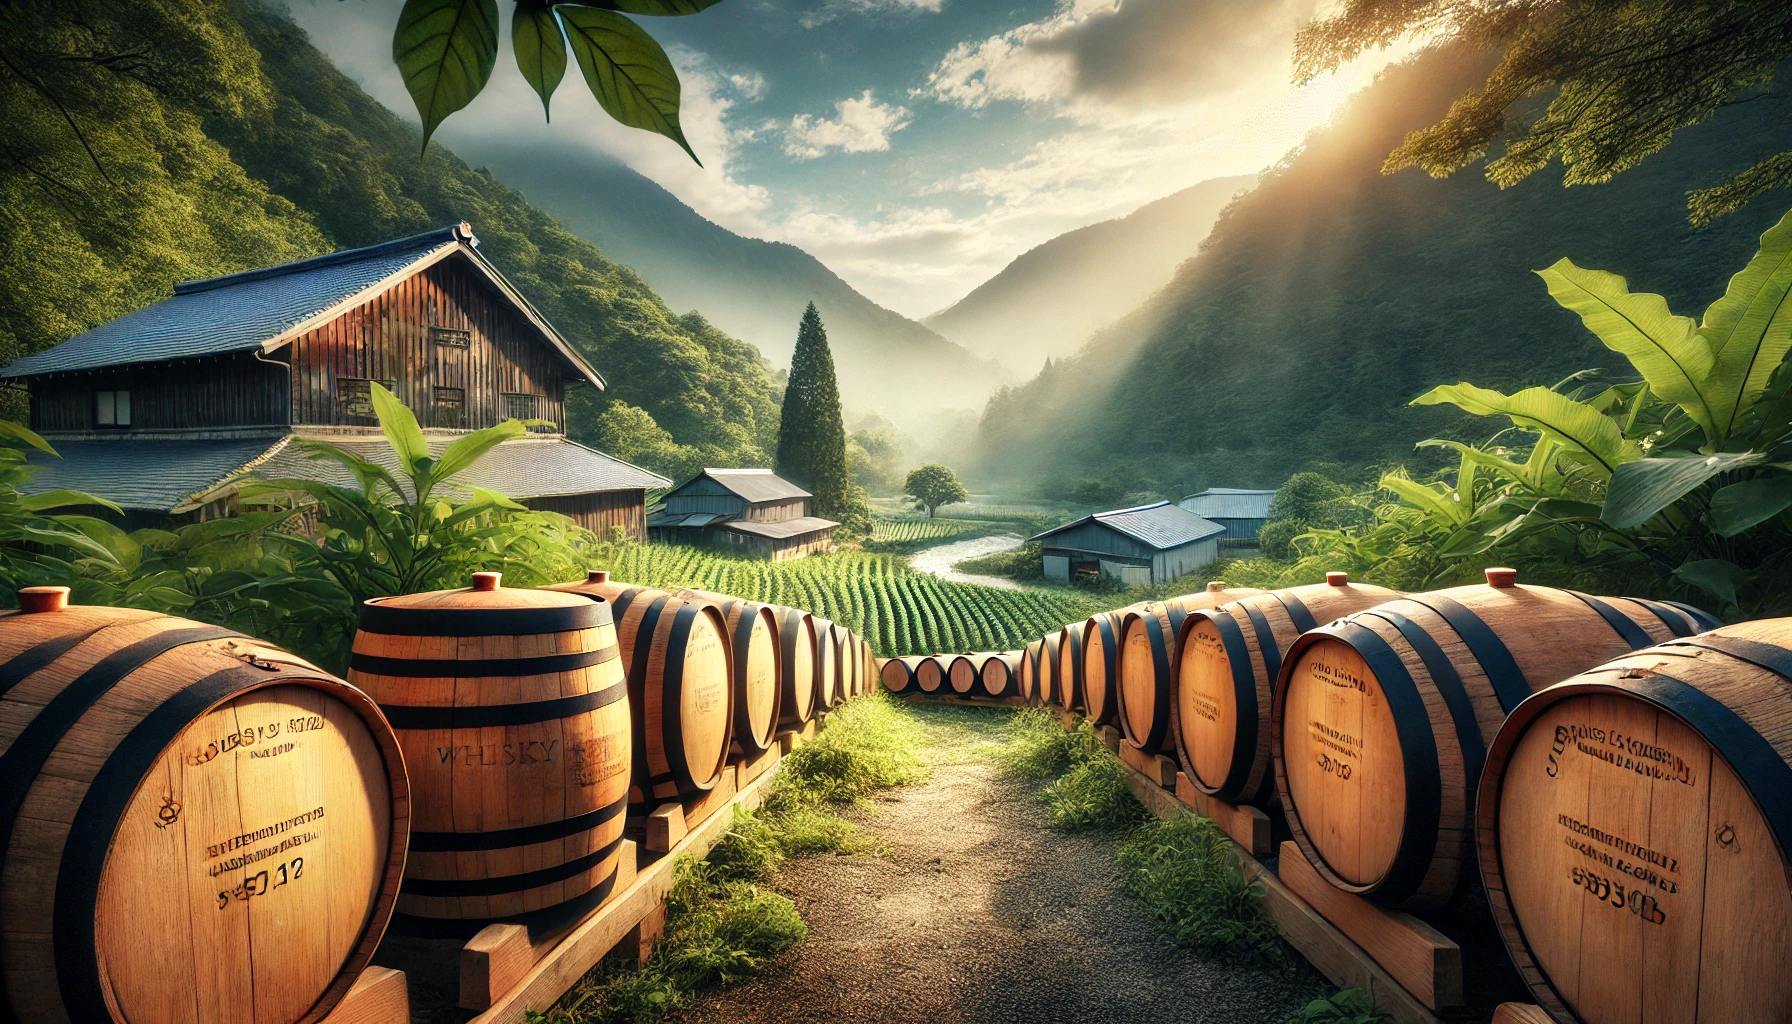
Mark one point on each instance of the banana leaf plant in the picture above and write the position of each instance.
(38, 544)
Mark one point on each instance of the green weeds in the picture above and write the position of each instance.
(1186, 874)
(1348, 1006)
(1088, 789)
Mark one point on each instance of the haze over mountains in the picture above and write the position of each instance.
(1046, 303)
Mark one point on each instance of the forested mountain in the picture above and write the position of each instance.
(757, 290)
(210, 136)
(1331, 295)
(1046, 302)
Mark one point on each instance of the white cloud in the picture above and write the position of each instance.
(861, 124)
(831, 9)
(750, 84)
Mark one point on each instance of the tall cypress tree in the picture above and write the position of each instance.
(812, 435)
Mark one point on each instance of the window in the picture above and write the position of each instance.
(356, 397)
(451, 337)
(451, 408)
(527, 407)
(112, 408)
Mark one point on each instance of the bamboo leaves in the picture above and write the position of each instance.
(446, 50)
(1640, 489)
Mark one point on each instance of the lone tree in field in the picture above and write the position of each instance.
(1623, 76)
(812, 435)
(934, 485)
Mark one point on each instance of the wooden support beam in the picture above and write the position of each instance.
(1156, 767)
(647, 933)
(378, 996)
(1110, 737)
(1422, 959)
(790, 739)
(746, 769)
(1247, 826)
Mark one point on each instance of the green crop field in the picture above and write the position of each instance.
(895, 608)
(902, 531)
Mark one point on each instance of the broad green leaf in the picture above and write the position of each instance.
(47, 500)
(1667, 350)
(1427, 498)
(540, 50)
(401, 429)
(657, 8)
(1749, 503)
(470, 449)
(626, 70)
(445, 49)
(1715, 576)
(1640, 489)
(1575, 424)
(1749, 330)
(20, 432)
(368, 474)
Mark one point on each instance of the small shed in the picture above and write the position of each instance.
(1142, 545)
(754, 511)
(1241, 512)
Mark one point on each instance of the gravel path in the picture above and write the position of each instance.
(938, 560)
(981, 913)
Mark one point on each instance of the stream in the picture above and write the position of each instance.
(938, 561)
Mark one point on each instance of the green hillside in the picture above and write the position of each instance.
(1331, 295)
(222, 140)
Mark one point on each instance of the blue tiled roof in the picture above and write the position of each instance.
(1160, 525)
(527, 467)
(237, 313)
(1229, 503)
(152, 476)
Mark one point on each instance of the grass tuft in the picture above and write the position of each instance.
(1036, 746)
(1185, 873)
(870, 743)
(1348, 1006)
(1093, 797)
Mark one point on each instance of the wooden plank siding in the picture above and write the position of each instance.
(193, 394)
(389, 339)
(601, 511)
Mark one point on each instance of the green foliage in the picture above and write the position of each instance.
(38, 545)
(934, 485)
(1276, 539)
(1346, 1006)
(1028, 563)
(446, 50)
(1623, 78)
(1185, 872)
(898, 536)
(1093, 796)
(1035, 745)
(869, 744)
(811, 435)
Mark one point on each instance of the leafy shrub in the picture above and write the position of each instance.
(1348, 1006)
(1276, 539)
(1184, 871)
(1028, 563)
(1093, 797)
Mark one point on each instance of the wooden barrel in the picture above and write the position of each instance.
(843, 661)
(513, 714)
(756, 654)
(1144, 681)
(1101, 647)
(1635, 833)
(1381, 720)
(1070, 666)
(797, 640)
(1000, 674)
(680, 688)
(965, 675)
(898, 674)
(930, 674)
(872, 670)
(169, 790)
(1027, 682)
(1049, 647)
(1225, 668)
(827, 665)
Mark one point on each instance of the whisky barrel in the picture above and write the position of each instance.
(930, 674)
(1381, 720)
(871, 665)
(1070, 666)
(1635, 833)
(1049, 647)
(999, 674)
(1144, 682)
(756, 655)
(513, 715)
(675, 653)
(1101, 646)
(169, 790)
(898, 674)
(827, 665)
(1027, 681)
(966, 674)
(796, 638)
(1225, 668)
(843, 660)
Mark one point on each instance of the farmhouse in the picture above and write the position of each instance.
(1146, 544)
(169, 410)
(1241, 512)
(750, 510)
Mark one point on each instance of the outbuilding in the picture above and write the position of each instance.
(1141, 545)
(1241, 512)
(753, 511)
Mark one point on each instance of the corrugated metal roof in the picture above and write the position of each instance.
(664, 520)
(528, 467)
(1229, 503)
(146, 476)
(262, 309)
(753, 485)
(781, 530)
(1160, 525)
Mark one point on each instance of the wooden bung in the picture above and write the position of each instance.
(1381, 720)
(999, 674)
(513, 715)
(1634, 825)
(756, 654)
(1225, 668)
(796, 634)
(1070, 666)
(194, 826)
(1143, 683)
(678, 664)
(1101, 647)
(898, 674)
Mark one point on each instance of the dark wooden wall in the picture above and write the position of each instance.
(777, 511)
(390, 339)
(231, 391)
(600, 511)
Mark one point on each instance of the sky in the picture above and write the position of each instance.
(914, 146)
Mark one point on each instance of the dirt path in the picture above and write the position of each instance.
(981, 913)
(938, 560)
